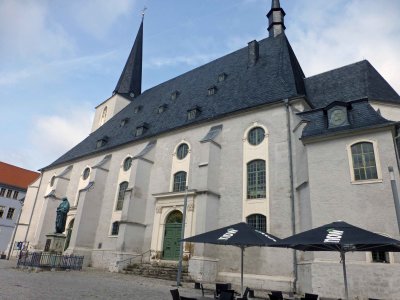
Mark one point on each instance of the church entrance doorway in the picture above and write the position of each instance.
(172, 235)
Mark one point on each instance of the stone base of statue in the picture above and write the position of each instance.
(55, 242)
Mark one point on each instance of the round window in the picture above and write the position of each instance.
(256, 136)
(52, 180)
(182, 151)
(86, 173)
(127, 163)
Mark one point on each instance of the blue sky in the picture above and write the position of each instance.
(59, 59)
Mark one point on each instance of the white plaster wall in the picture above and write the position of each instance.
(388, 110)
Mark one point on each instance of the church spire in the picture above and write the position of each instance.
(130, 81)
(276, 19)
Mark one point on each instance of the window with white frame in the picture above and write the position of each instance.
(9, 192)
(258, 222)
(2, 208)
(380, 257)
(10, 213)
(2, 192)
(256, 179)
(15, 196)
(121, 195)
(115, 228)
(179, 181)
(363, 161)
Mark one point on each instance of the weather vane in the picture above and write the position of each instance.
(143, 10)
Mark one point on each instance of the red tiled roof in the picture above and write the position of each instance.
(16, 177)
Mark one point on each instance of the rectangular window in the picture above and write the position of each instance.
(380, 257)
(364, 163)
(2, 208)
(15, 196)
(9, 192)
(10, 213)
(192, 114)
(2, 192)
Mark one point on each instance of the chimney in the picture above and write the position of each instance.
(276, 19)
(253, 52)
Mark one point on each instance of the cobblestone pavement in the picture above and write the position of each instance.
(87, 284)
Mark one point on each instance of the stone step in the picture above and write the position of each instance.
(167, 272)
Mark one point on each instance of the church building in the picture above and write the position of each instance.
(246, 137)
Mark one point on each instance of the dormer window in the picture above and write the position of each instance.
(140, 130)
(174, 95)
(193, 113)
(212, 90)
(222, 77)
(137, 109)
(337, 116)
(101, 142)
(123, 122)
(162, 108)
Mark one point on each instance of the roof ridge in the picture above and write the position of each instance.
(338, 68)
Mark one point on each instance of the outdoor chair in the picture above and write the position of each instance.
(176, 296)
(219, 287)
(245, 294)
(227, 295)
(276, 295)
(308, 296)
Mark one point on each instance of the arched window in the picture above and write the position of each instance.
(179, 181)
(258, 222)
(256, 187)
(103, 116)
(115, 228)
(174, 217)
(364, 163)
(121, 195)
(127, 163)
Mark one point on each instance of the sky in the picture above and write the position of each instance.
(60, 59)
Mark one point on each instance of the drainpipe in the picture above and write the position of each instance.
(289, 137)
(33, 208)
(178, 276)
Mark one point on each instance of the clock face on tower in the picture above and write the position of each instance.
(338, 117)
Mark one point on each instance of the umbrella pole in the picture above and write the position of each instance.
(241, 270)
(343, 257)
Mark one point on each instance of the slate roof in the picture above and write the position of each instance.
(351, 82)
(13, 176)
(130, 80)
(277, 75)
(361, 115)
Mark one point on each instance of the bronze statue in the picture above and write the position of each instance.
(61, 218)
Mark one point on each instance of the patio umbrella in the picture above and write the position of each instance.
(240, 235)
(342, 237)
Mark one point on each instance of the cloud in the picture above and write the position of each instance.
(97, 16)
(344, 32)
(27, 31)
(190, 60)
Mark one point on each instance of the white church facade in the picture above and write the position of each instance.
(254, 140)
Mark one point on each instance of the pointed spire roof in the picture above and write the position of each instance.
(130, 81)
(276, 19)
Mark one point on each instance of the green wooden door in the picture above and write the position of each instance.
(172, 235)
(171, 241)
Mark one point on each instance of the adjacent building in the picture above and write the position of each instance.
(254, 140)
(14, 182)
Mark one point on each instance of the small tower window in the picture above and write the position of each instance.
(52, 180)
(212, 91)
(103, 116)
(115, 228)
(193, 113)
(174, 95)
(222, 77)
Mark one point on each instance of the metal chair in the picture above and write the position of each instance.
(245, 294)
(227, 295)
(308, 296)
(219, 287)
(175, 294)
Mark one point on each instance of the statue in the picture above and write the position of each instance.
(61, 218)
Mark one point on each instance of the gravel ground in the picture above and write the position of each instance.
(87, 284)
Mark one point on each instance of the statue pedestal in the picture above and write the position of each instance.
(55, 242)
